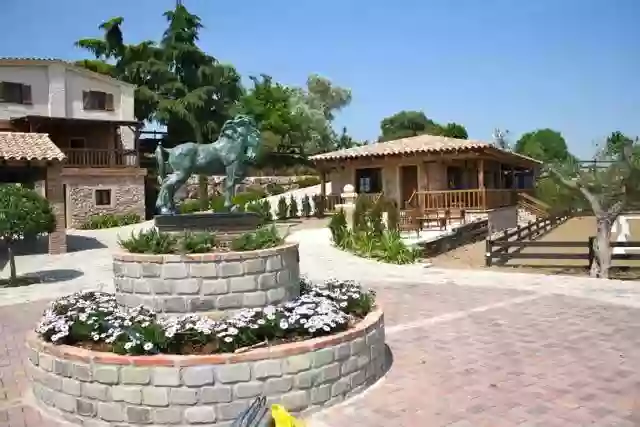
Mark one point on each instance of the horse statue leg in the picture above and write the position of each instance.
(230, 186)
(163, 202)
(172, 182)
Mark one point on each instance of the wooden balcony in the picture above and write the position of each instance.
(101, 158)
(476, 199)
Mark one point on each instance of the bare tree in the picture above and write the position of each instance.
(608, 184)
(500, 138)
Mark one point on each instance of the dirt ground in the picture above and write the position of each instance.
(576, 229)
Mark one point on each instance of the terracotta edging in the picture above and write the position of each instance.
(67, 352)
(212, 256)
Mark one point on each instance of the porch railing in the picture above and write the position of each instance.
(101, 158)
(480, 199)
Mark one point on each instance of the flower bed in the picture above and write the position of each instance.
(306, 369)
(209, 282)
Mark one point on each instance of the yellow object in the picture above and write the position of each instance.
(283, 418)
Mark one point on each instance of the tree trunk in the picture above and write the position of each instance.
(600, 268)
(203, 191)
(12, 261)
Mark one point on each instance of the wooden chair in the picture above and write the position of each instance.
(410, 220)
(455, 214)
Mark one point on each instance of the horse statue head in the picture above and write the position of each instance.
(243, 129)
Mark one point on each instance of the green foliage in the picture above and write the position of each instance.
(294, 211)
(273, 189)
(262, 208)
(23, 212)
(406, 124)
(198, 243)
(546, 145)
(263, 238)
(318, 206)
(149, 242)
(338, 227)
(374, 217)
(282, 211)
(100, 221)
(393, 215)
(306, 206)
(360, 214)
(307, 181)
(190, 206)
(370, 241)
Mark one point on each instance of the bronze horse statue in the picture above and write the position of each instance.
(237, 145)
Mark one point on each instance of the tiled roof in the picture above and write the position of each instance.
(46, 61)
(28, 146)
(412, 145)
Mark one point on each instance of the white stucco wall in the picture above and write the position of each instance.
(56, 91)
(38, 79)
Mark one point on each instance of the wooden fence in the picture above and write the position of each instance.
(497, 247)
(463, 235)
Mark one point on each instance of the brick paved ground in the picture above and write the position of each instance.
(462, 356)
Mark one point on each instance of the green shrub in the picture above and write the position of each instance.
(294, 211)
(273, 189)
(338, 228)
(306, 206)
(198, 243)
(374, 217)
(150, 242)
(241, 199)
(23, 212)
(308, 181)
(360, 214)
(263, 238)
(318, 206)
(262, 208)
(393, 216)
(190, 206)
(371, 240)
(100, 221)
(282, 211)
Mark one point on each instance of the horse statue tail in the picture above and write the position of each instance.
(162, 173)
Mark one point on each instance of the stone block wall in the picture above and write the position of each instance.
(103, 389)
(206, 283)
(126, 189)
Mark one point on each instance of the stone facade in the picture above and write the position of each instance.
(205, 283)
(103, 389)
(125, 187)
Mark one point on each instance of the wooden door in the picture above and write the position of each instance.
(408, 182)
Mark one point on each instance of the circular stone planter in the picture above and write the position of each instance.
(220, 282)
(87, 387)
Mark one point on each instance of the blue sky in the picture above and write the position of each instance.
(571, 65)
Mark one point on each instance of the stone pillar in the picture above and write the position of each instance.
(55, 195)
(349, 206)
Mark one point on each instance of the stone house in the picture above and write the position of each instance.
(89, 117)
(435, 174)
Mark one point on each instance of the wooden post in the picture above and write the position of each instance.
(323, 191)
(483, 199)
(488, 256)
(592, 253)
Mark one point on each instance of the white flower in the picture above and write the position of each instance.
(228, 339)
(128, 345)
(148, 346)
(284, 324)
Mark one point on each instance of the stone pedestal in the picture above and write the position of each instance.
(349, 206)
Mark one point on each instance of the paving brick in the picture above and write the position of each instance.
(128, 394)
(200, 415)
(233, 373)
(155, 396)
(133, 375)
(111, 411)
(183, 396)
(217, 394)
(106, 374)
(167, 377)
(267, 369)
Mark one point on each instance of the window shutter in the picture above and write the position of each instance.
(109, 102)
(86, 99)
(26, 94)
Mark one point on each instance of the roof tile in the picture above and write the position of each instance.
(28, 146)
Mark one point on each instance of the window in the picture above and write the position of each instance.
(95, 100)
(15, 93)
(103, 197)
(369, 180)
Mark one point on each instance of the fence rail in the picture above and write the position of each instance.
(101, 158)
(480, 199)
(497, 247)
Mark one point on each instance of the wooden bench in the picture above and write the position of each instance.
(410, 220)
(455, 214)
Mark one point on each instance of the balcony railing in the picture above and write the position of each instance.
(480, 199)
(101, 158)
